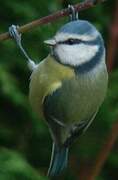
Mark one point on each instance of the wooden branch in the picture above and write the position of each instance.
(113, 41)
(104, 153)
(53, 17)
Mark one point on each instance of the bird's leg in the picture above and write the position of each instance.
(17, 37)
(73, 14)
(13, 31)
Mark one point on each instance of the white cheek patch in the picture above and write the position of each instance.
(76, 54)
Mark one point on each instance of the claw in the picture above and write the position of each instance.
(13, 31)
(73, 14)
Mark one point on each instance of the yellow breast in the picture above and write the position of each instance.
(45, 79)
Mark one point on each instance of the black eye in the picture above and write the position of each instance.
(70, 41)
(73, 41)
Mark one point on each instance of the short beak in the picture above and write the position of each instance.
(50, 42)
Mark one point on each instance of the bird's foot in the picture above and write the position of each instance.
(13, 31)
(73, 14)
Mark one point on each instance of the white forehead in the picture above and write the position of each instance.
(85, 37)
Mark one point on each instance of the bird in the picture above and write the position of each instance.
(68, 87)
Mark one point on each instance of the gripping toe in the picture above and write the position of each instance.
(13, 31)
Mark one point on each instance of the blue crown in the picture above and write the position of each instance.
(78, 27)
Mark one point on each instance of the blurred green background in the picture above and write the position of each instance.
(25, 143)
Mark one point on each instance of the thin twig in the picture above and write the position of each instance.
(113, 42)
(47, 19)
(105, 151)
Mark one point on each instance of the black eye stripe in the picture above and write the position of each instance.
(78, 41)
(71, 41)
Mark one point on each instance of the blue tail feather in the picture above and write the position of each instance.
(59, 160)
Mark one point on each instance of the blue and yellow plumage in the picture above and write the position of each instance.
(68, 96)
(68, 87)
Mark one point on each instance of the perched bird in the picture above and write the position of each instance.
(69, 85)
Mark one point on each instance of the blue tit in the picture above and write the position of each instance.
(69, 85)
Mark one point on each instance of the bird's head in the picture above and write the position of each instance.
(76, 43)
